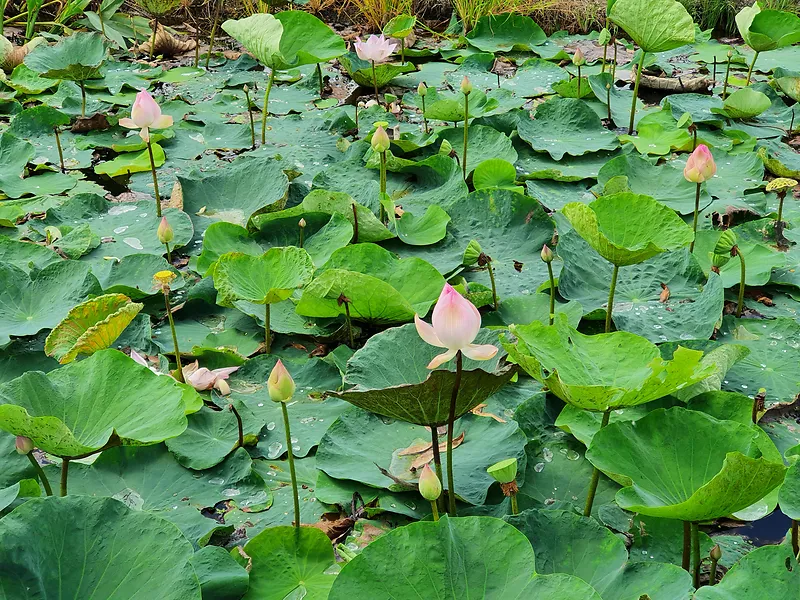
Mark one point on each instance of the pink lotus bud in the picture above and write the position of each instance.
(422, 89)
(280, 383)
(24, 445)
(380, 140)
(700, 167)
(429, 485)
(165, 233)
(578, 59)
(547, 254)
(456, 323)
(376, 49)
(466, 86)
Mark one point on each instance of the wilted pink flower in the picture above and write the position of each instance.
(280, 383)
(143, 361)
(456, 322)
(146, 113)
(376, 49)
(201, 378)
(700, 167)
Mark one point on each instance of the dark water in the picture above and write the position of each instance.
(769, 530)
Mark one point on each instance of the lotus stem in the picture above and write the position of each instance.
(466, 135)
(451, 419)
(614, 64)
(437, 460)
(434, 510)
(83, 98)
(605, 54)
(579, 82)
(514, 504)
(402, 50)
(356, 120)
(587, 510)
(381, 209)
(153, 38)
(696, 213)
(695, 555)
(495, 303)
(636, 91)
(796, 538)
(60, 150)
(267, 332)
(321, 84)
(552, 292)
(155, 177)
(250, 114)
(265, 114)
(712, 575)
(355, 223)
(608, 102)
(742, 277)
(179, 367)
(611, 291)
(727, 74)
(213, 32)
(375, 82)
(687, 546)
(240, 428)
(196, 45)
(750, 70)
(349, 321)
(40, 472)
(424, 118)
(779, 220)
(169, 253)
(714, 75)
(64, 476)
(291, 464)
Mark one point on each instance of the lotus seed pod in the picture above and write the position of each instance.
(164, 278)
(472, 253)
(505, 471)
(726, 241)
(781, 184)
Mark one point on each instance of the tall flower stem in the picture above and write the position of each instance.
(605, 55)
(169, 253)
(265, 113)
(696, 213)
(179, 375)
(742, 277)
(64, 476)
(437, 460)
(40, 473)
(750, 70)
(514, 504)
(61, 151)
(614, 64)
(155, 177)
(712, 574)
(686, 562)
(490, 268)
(291, 463)
(267, 332)
(587, 510)
(435, 510)
(382, 210)
(579, 82)
(552, 292)
(611, 290)
(239, 426)
(727, 74)
(349, 324)
(250, 114)
(83, 98)
(695, 555)
(321, 82)
(424, 118)
(375, 82)
(451, 419)
(466, 136)
(636, 91)
(355, 223)
(213, 31)
(779, 220)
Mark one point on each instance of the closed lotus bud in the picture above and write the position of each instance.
(302, 222)
(505, 471)
(422, 89)
(578, 59)
(466, 86)
(716, 552)
(280, 384)
(429, 485)
(380, 140)
(701, 166)
(165, 233)
(24, 445)
(547, 254)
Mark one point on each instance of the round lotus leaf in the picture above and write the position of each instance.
(105, 550)
(506, 32)
(76, 57)
(764, 30)
(655, 25)
(685, 464)
(607, 226)
(767, 573)
(745, 103)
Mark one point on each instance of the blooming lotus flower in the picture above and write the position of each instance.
(376, 49)
(146, 113)
(456, 323)
(280, 383)
(201, 378)
(701, 166)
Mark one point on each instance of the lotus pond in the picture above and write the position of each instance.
(495, 315)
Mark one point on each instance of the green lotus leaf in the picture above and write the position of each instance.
(26, 255)
(450, 556)
(566, 126)
(505, 33)
(788, 81)
(158, 7)
(764, 30)
(287, 40)
(600, 372)
(25, 488)
(388, 376)
(765, 573)
(745, 103)
(266, 279)
(655, 25)
(91, 326)
(360, 71)
(81, 407)
(789, 496)
(132, 162)
(496, 173)
(220, 576)
(400, 26)
(77, 57)
(106, 550)
(483, 143)
(30, 303)
(450, 107)
(565, 542)
(606, 225)
(720, 470)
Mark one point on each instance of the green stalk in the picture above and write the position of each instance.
(213, 32)
(614, 65)
(424, 118)
(155, 178)
(605, 54)
(266, 106)
(381, 210)
(451, 489)
(727, 74)
(64, 476)
(40, 472)
(349, 324)
(375, 82)
(687, 546)
(552, 292)
(434, 510)
(437, 462)
(83, 98)
(636, 92)
(267, 332)
(321, 85)
(495, 304)
(179, 376)
(579, 82)
(291, 464)
(60, 151)
(611, 290)
(796, 538)
(466, 135)
(250, 114)
(239, 427)
(694, 221)
(514, 505)
(750, 70)
(587, 510)
(402, 51)
(712, 575)
(695, 556)
(169, 254)
(781, 196)
(742, 277)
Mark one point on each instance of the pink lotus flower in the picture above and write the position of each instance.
(146, 113)
(138, 358)
(701, 166)
(376, 49)
(201, 378)
(456, 322)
